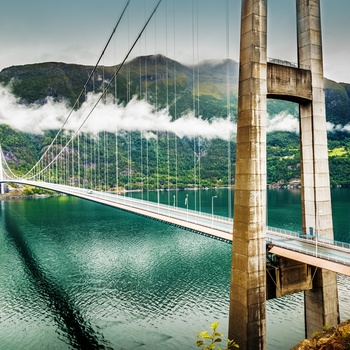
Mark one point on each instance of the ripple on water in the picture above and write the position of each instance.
(344, 297)
(131, 282)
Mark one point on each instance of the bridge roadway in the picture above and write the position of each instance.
(323, 253)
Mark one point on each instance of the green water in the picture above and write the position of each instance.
(79, 275)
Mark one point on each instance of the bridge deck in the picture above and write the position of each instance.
(311, 260)
(331, 255)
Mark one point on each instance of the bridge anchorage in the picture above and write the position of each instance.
(259, 80)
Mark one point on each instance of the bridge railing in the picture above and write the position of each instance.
(330, 242)
(330, 256)
(287, 63)
(192, 216)
(283, 232)
(320, 240)
(189, 215)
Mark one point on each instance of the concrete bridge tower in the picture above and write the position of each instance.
(259, 80)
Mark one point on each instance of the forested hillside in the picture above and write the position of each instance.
(209, 89)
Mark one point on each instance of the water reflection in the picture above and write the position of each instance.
(79, 333)
(108, 278)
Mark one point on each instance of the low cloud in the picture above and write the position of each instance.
(283, 122)
(340, 128)
(107, 116)
(137, 115)
(34, 118)
(287, 122)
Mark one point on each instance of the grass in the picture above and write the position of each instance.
(337, 152)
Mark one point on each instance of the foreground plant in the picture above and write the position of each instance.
(209, 341)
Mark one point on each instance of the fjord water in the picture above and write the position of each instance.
(79, 275)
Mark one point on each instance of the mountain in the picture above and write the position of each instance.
(155, 78)
(205, 88)
(337, 102)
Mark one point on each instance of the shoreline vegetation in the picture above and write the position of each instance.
(337, 337)
(19, 191)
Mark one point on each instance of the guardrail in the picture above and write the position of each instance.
(187, 215)
(329, 256)
(329, 242)
(287, 63)
(284, 232)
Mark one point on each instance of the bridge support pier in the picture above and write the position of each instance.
(321, 303)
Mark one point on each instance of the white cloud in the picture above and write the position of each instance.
(135, 116)
(33, 118)
(342, 128)
(283, 122)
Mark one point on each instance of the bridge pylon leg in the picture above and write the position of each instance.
(321, 303)
(247, 320)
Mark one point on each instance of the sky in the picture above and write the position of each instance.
(75, 31)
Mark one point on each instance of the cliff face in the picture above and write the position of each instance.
(334, 338)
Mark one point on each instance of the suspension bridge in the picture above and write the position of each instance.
(97, 159)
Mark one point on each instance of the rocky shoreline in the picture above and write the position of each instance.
(337, 338)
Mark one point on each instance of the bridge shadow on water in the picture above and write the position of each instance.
(80, 334)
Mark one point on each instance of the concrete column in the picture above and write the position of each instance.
(247, 320)
(321, 303)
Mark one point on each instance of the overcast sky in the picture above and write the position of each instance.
(75, 31)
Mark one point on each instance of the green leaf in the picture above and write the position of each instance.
(200, 343)
(207, 336)
(231, 343)
(218, 334)
(214, 325)
(217, 340)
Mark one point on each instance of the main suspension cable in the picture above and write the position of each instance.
(83, 91)
(106, 88)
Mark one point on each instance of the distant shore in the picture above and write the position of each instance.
(10, 195)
